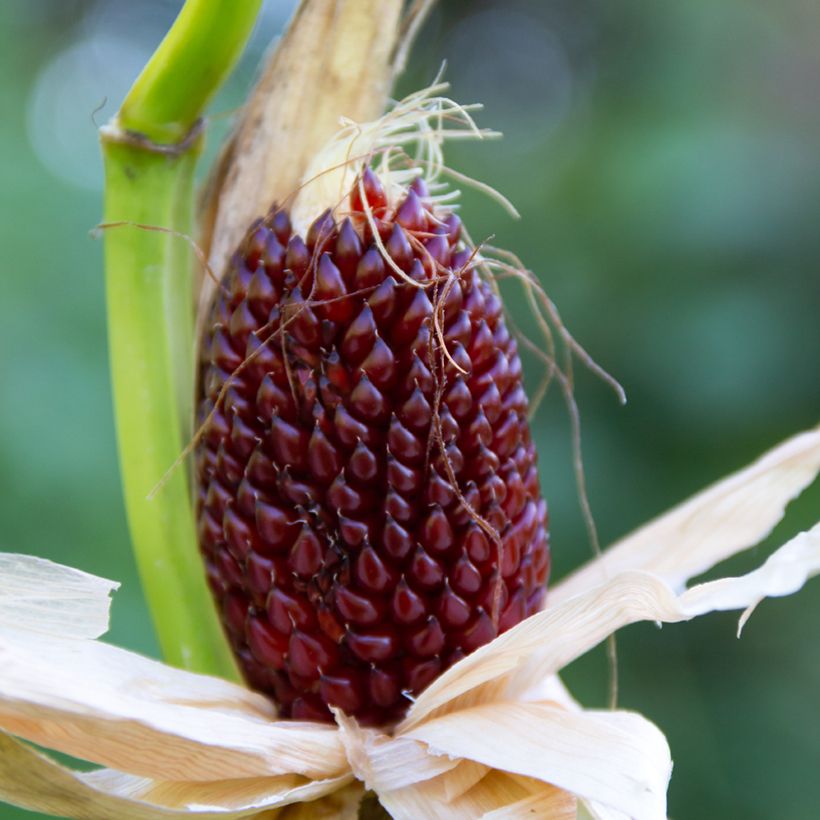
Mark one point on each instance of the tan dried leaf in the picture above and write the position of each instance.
(494, 792)
(118, 709)
(617, 758)
(720, 521)
(46, 597)
(34, 781)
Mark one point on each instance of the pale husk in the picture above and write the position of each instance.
(616, 757)
(496, 791)
(34, 781)
(47, 597)
(716, 523)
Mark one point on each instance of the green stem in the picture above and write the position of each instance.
(150, 153)
(188, 67)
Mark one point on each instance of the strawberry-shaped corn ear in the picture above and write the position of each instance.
(369, 506)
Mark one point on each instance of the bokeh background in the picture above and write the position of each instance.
(665, 158)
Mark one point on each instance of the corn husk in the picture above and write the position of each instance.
(52, 599)
(497, 735)
(716, 523)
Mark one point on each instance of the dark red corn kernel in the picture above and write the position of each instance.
(307, 553)
(329, 623)
(258, 577)
(514, 611)
(398, 248)
(465, 577)
(276, 527)
(436, 534)
(426, 571)
(349, 430)
(420, 674)
(279, 222)
(344, 690)
(384, 686)
(348, 250)
(229, 570)
(479, 632)
(234, 610)
(383, 300)
(369, 270)
(367, 402)
(396, 540)
(320, 232)
(246, 497)
(330, 288)
(439, 490)
(374, 573)
(407, 606)
(349, 569)
(360, 336)
(267, 646)
(452, 609)
(356, 607)
(311, 655)
(427, 641)
(379, 365)
(286, 611)
(379, 644)
(398, 507)
(411, 215)
(373, 192)
(310, 707)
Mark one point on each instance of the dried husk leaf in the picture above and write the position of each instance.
(460, 779)
(385, 763)
(722, 520)
(35, 782)
(46, 597)
(496, 791)
(617, 758)
(784, 573)
(118, 709)
(549, 802)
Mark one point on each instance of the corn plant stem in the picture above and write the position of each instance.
(150, 152)
(187, 68)
(147, 326)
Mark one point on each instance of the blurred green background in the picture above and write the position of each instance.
(665, 158)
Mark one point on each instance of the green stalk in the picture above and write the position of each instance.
(190, 64)
(150, 152)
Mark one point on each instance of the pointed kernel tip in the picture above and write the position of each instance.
(411, 214)
(373, 191)
(329, 282)
(370, 270)
(297, 257)
(320, 232)
(348, 250)
(399, 248)
(419, 186)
